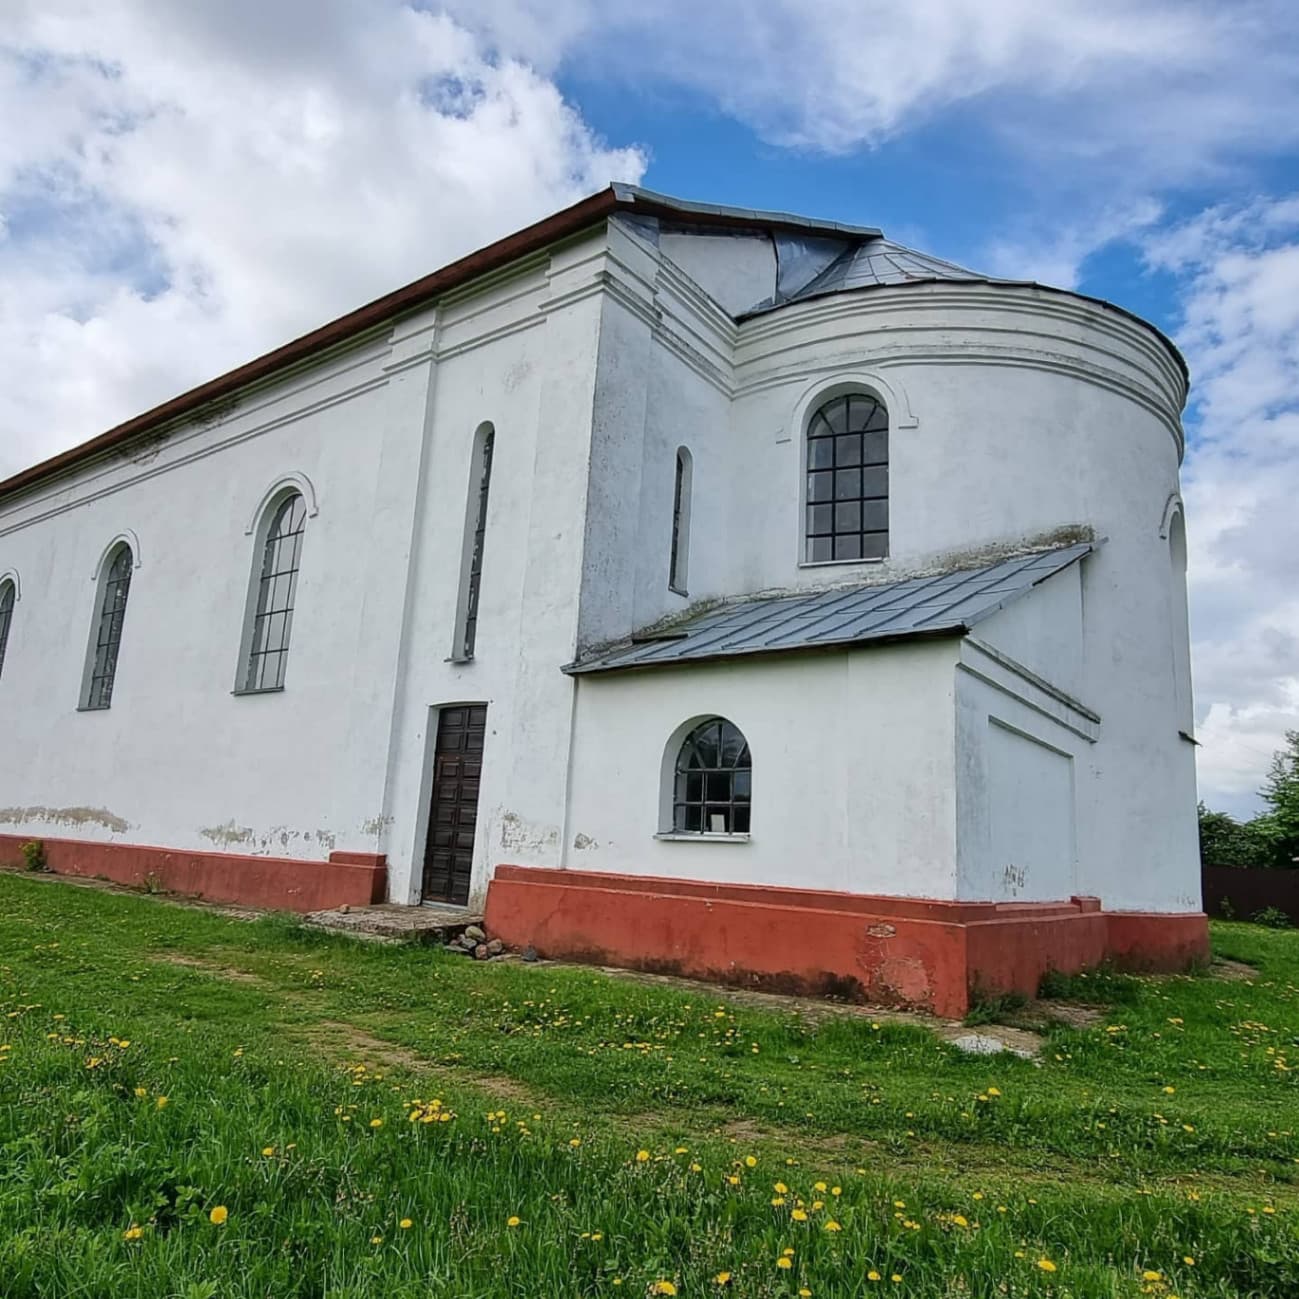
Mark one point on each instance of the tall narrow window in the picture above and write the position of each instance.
(1180, 629)
(847, 500)
(471, 564)
(277, 585)
(6, 617)
(679, 562)
(115, 587)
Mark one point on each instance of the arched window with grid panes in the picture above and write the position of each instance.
(110, 617)
(712, 780)
(7, 592)
(270, 619)
(847, 483)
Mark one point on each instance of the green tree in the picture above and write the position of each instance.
(1224, 841)
(1281, 794)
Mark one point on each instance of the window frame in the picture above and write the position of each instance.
(274, 506)
(816, 410)
(114, 575)
(473, 544)
(8, 601)
(674, 752)
(679, 552)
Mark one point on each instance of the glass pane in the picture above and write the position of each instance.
(875, 516)
(732, 745)
(820, 519)
(847, 547)
(847, 449)
(875, 545)
(836, 414)
(820, 453)
(694, 787)
(740, 785)
(847, 484)
(875, 448)
(819, 549)
(878, 419)
(820, 487)
(875, 482)
(717, 818)
(740, 819)
(690, 818)
(718, 786)
(847, 518)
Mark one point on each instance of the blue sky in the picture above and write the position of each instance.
(190, 185)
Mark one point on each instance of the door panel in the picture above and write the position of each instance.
(453, 810)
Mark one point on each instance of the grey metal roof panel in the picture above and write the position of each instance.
(685, 207)
(947, 603)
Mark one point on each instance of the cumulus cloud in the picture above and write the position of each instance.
(1178, 85)
(193, 184)
(1240, 330)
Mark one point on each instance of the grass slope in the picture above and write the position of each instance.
(161, 1067)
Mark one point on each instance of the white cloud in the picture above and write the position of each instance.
(1241, 481)
(193, 184)
(1181, 86)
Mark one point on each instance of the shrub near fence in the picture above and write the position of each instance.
(1248, 890)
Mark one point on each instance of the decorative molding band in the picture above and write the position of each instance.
(1010, 677)
(127, 536)
(294, 481)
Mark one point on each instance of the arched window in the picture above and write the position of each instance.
(271, 622)
(847, 499)
(6, 617)
(115, 586)
(1180, 629)
(712, 781)
(679, 561)
(471, 555)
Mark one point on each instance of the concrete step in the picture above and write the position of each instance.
(396, 924)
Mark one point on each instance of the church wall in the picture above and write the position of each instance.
(852, 757)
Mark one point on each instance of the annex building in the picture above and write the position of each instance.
(699, 589)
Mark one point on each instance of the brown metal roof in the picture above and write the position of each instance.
(580, 216)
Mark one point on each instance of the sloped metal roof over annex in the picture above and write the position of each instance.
(942, 604)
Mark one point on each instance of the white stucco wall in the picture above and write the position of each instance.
(852, 770)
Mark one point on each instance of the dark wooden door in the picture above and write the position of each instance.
(453, 812)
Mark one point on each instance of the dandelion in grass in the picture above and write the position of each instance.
(897, 1276)
(133, 1232)
(513, 1220)
(376, 1240)
(722, 1278)
(575, 1142)
(1188, 1260)
(405, 1224)
(832, 1226)
(1150, 1275)
(663, 1287)
(799, 1215)
(873, 1275)
(161, 1102)
(780, 1188)
(219, 1215)
(1046, 1265)
(785, 1262)
(750, 1161)
(268, 1151)
(642, 1156)
(376, 1123)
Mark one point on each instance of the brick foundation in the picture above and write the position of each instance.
(277, 883)
(916, 952)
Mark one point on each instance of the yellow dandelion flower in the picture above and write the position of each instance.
(777, 1201)
(788, 1251)
(376, 1240)
(1148, 1275)
(784, 1261)
(723, 1278)
(899, 1204)
(405, 1224)
(897, 1276)
(833, 1226)
(817, 1205)
(1267, 1208)
(804, 1293)
(376, 1123)
(682, 1150)
(819, 1186)
(268, 1151)
(1169, 1091)
(663, 1287)
(133, 1232)
(1188, 1260)
(575, 1142)
(218, 1215)
(1046, 1265)
(780, 1188)
(994, 1091)
(141, 1092)
(513, 1221)
(872, 1275)
(799, 1215)
(696, 1168)
(960, 1220)
(642, 1156)
(750, 1161)
(836, 1190)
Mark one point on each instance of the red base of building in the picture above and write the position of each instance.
(277, 883)
(926, 955)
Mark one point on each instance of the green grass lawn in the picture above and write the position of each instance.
(194, 1105)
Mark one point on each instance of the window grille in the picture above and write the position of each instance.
(6, 617)
(847, 503)
(713, 781)
(108, 630)
(268, 654)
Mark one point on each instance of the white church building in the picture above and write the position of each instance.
(693, 588)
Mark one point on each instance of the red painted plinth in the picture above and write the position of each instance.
(913, 952)
(278, 883)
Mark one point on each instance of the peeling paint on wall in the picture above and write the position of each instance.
(73, 816)
(584, 841)
(279, 838)
(519, 835)
(376, 825)
(228, 835)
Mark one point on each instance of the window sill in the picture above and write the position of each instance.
(259, 690)
(686, 836)
(839, 563)
(93, 708)
(679, 590)
(460, 658)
